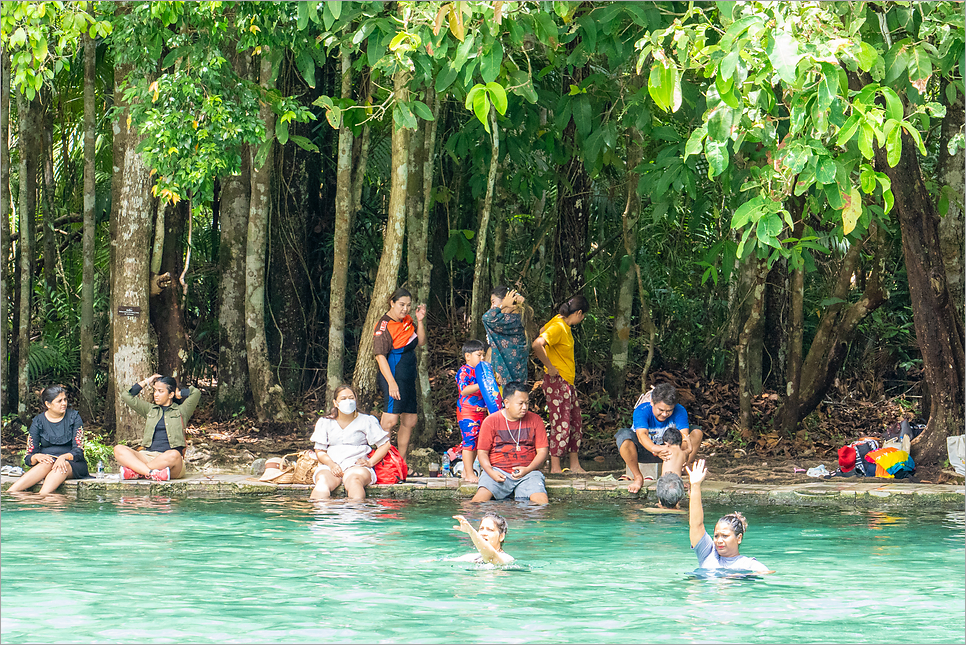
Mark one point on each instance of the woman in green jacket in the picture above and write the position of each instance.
(161, 455)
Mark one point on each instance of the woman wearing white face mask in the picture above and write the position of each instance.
(342, 439)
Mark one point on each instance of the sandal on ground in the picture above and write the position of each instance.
(625, 478)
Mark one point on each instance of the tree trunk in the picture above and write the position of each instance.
(167, 308)
(748, 332)
(28, 113)
(420, 187)
(837, 326)
(364, 377)
(5, 242)
(47, 201)
(340, 242)
(952, 181)
(796, 330)
(479, 271)
(131, 226)
(267, 394)
(620, 341)
(498, 268)
(90, 199)
(939, 329)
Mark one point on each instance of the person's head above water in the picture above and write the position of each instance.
(574, 310)
(663, 399)
(670, 490)
(728, 533)
(493, 529)
(516, 400)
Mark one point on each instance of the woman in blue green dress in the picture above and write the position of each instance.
(506, 333)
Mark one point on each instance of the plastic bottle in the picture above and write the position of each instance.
(100, 469)
(446, 468)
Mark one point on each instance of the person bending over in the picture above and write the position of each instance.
(342, 440)
(722, 551)
(161, 456)
(656, 412)
(55, 445)
(488, 539)
(512, 446)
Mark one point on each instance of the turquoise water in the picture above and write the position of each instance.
(138, 569)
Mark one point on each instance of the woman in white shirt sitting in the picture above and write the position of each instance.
(342, 439)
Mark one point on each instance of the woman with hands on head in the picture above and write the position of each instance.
(506, 324)
(722, 551)
(342, 440)
(488, 539)
(55, 445)
(394, 345)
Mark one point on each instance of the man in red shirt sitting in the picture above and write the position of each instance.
(512, 446)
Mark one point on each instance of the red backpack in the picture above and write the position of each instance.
(392, 469)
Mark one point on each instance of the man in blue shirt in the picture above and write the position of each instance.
(655, 412)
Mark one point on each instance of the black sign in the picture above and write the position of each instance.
(129, 312)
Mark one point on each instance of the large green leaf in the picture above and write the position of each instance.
(446, 77)
(490, 65)
(769, 226)
(664, 86)
(747, 212)
(783, 53)
(866, 56)
(852, 210)
(825, 171)
(721, 122)
(497, 96)
(717, 154)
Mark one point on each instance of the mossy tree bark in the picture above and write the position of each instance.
(479, 270)
(87, 390)
(5, 242)
(29, 123)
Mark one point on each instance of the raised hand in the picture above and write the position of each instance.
(463, 525)
(421, 312)
(698, 473)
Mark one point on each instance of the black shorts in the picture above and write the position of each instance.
(403, 368)
(78, 469)
(644, 456)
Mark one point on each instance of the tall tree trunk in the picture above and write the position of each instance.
(418, 212)
(620, 342)
(340, 242)
(479, 271)
(5, 242)
(130, 318)
(939, 329)
(757, 302)
(952, 179)
(267, 394)
(797, 330)
(47, 200)
(29, 141)
(364, 376)
(498, 267)
(167, 308)
(235, 205)
(90, 199)
(837, 325)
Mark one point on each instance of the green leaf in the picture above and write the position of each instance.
(768, 229)
(865, 141)
(582, 115)
(783, 54)
(403, 117)
(721, 122)
(334, 117)
(262, 153)
(490, 65)
(281, 132)
(848, 129)
(694, 145)
(481, 107)
(726, 68)
(866, 56)
(422, 110)
(303, 15)
(335, 6)
(888, 200)
(747, 211)
(914, 133)
(893, 104)
(498, 96)
(304, 143)
(717, 154)
(867, 179)
(896, 60)
(894, 147)
(852, 210)
(936, 110)
(306, 65)
(664, 86)
(920, 66)
(446, 77)
(740, 253)
(834, 196)
(825, 171)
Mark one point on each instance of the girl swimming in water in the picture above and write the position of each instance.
(488, 540)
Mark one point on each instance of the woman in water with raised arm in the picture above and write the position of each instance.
(488, 540)
(722, 551)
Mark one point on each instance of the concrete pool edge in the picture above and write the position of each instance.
(840, 493)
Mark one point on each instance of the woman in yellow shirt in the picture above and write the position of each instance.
(555, 349)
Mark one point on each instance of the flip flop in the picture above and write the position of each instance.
(625, 478)
(564, 471)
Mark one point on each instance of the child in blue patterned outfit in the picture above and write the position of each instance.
(470, 407)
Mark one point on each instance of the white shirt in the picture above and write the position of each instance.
(346, 445)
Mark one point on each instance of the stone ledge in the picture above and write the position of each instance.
(865, 495)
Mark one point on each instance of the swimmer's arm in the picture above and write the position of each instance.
(695, 509)
(645, 438)
(490, 555)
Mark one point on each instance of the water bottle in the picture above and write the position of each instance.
(446, 469)
(100, 469)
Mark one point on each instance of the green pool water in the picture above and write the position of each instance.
(139, 569)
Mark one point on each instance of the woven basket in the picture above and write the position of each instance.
(305, 466)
